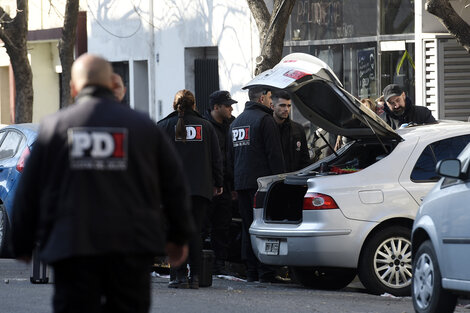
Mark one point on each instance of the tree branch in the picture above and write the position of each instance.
(444, 11)
(66, 48)
(261, 15)
(4, 16)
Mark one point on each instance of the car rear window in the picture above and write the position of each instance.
(425, 168)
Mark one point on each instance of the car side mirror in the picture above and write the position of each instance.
(449, 168)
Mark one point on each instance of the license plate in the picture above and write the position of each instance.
(271, 246)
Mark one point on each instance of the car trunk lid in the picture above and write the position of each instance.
(319, 95)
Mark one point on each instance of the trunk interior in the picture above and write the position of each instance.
(284, 199)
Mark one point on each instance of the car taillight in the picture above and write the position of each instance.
(22, 160)
(258, 199)
(319, 201)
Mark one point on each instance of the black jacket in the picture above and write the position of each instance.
(294, 145)
(200, 153)
(256, 146)
(222, 131)
(413, 114)
(101, 179)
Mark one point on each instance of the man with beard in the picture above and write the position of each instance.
(400, 110)
(219, 215)
(293, 139)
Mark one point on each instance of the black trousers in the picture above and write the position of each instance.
(219, 218)
(198, 210)
(253, 266)
(111, 283)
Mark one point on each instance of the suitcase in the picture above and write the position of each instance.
(205, 277)
(39, 273)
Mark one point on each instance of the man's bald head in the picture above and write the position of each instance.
(88, 70)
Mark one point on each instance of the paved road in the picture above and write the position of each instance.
(17, 294)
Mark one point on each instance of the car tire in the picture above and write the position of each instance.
(385, 262)
(323, 278)
(428, 294)
(3, 231)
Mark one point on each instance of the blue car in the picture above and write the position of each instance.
(16, 142)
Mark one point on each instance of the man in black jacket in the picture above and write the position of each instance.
(256, 152)
(219, 214)
(400, 110)
(293, 139)
(102, 193)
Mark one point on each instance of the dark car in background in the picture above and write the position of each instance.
(16, 142)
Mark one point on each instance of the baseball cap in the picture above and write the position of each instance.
(392, 90)
(221, 97)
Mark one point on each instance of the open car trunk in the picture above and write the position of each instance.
(353, 157)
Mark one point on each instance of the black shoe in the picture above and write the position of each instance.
(270, 279)
(250, 277)
(219, 268)
(179, 283)
(194, 282)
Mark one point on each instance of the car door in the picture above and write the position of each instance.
(10, 142)
(454, 226)
(423, 176)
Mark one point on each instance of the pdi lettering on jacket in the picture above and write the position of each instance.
(193, 133)
(241, 136)
(97, 148)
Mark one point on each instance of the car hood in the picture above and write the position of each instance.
(319, 95)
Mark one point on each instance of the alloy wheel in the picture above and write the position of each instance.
(392, 262)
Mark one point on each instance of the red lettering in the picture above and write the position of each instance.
(198, 132)
(118, 145)
(247, 133)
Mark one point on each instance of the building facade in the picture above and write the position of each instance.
(372, 43)
(46, 18)
(161, 47)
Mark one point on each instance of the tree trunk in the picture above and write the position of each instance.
(451, 20)
(66, 49)
(272, 29)
(13, 33)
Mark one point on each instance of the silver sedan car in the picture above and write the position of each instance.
(351, 212)
(441, 240)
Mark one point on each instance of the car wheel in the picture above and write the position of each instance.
(3, 229)
(428, 295)
(323, 278)
(385, 262)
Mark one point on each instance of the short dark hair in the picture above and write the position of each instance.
(255, 92)
(280, 94)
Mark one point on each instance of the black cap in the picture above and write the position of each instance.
(221, 97)
(392, 90)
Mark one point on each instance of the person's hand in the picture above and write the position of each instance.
(119, 90)
(218, 191)
(176, 254)
(234, 195)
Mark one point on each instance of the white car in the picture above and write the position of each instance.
(351, 212)
(441, 240)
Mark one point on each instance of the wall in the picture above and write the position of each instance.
(174, 26)
(427, 25)
(45, 80)
(4, 95)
